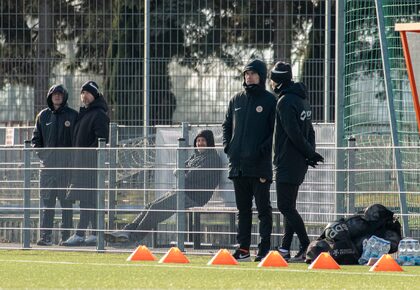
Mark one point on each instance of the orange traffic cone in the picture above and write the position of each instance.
(142, 253)
(174, 255)
(324, 261)
(273, 259)
(223, 257)
(386, 263)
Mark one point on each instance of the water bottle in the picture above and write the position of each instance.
(417, 253)
(406, 252)
(368, 245)
(376, 247)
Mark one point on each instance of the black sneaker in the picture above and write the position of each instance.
(44, 241)
(284, 253)
(242, 255)
(300, 257)
(117, 237)
(262, 252)
(260, 256)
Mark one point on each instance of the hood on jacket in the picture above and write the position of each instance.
(259, 67)
(206, 134)
(297, 89)
(57, 89)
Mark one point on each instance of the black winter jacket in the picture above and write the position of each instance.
(294, 138)
(203, 179)
(248, 133)
(92, 124)
(54, 128)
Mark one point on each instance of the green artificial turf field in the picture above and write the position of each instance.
(54, 269)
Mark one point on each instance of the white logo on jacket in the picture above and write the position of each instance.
(305, 115)
(259, 109)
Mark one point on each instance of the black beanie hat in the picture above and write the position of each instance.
(91, 87)
(208, 135)
(281, 72)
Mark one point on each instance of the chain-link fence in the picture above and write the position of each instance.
(189, 55)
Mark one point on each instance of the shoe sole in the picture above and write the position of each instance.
(248, 259)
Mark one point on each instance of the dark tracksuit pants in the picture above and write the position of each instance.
(88, 214)
(48, 213)
(293, 223)
(161, 209)
(247, 188)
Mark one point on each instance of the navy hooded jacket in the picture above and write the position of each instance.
(248, 128)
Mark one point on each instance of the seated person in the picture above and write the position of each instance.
(164, 207)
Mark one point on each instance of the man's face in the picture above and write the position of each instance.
(201, 142)
(57, 98)
(273, 84)
(252, 77)
(86, 97)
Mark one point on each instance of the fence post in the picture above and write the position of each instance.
(180, 201)
(351, 177)
(26, 233)
(101, 194)
(112, 200)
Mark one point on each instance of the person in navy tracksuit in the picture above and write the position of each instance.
(247, 140)
(54, 127)
(294, 150)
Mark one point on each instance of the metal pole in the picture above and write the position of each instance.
(180, 201)
(339, 106)
(351, 178)
(100, 246)
(26, 233)
(146, 69)
(112, 197)
(392, 118)
(327, 59)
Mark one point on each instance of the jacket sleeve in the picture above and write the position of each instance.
(267, 144)
(101, 128)
(289, 120)
(227, 127)
(37, 140)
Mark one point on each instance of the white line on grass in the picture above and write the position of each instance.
(224, 268)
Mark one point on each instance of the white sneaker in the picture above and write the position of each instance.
(90, 240)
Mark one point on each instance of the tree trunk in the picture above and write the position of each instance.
(283, 33)
(45, 46)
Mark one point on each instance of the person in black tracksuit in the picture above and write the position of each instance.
(199, 185)
(294, 150)
(54, 128)
(92, 124)
(247, 140)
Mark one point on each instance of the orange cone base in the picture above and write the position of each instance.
(273, 259)
(386, 263)
(324, 261)
(223, 257)
(174, 255)
(142, 253)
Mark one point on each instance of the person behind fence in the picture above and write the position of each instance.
(54, 127)
(247, 140)
(294, 150)
(92, 124)
(199, 184)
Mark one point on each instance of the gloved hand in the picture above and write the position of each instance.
(313, 161)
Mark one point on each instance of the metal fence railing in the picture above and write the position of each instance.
(127, 178)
